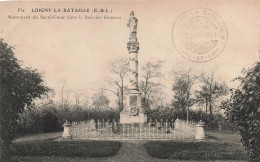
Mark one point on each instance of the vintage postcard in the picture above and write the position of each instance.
(130, 80)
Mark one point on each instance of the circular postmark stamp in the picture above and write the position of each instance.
(199, 35)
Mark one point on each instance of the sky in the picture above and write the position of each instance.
(80, 51)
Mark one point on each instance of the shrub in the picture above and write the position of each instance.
(50, 118)
(26, 122)
(243, 110)
(36, 121)
(49, 121)
(18, 89)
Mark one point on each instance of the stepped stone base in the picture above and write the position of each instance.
(128, 119)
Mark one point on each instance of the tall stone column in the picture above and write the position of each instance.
(133, 111)
(133, 48)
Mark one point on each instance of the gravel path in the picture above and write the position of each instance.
(131, 151)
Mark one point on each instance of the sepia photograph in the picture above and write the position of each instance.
(137, 81)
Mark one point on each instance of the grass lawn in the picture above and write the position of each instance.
(219, 146)
(65, 148)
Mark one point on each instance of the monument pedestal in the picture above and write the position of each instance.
(200, 134)
(133, 112)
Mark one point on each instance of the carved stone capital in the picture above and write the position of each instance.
(133, 47)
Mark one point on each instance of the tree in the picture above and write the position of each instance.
(210, 91)
(77, 94)
(180, 88)
(64, 94)
(85, 100)
(150, 71)
(119, 69)
(201, 97)
(243, 109)
(100, 101)
(184, 81)
(18, 89)
(157, 98)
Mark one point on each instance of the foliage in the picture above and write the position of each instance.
(100, 101)
(243, 108)
(182, 87)
(120, 70)
(31, 121)
(213, 122)
(80, 114)
(18, 87)
(51, 117)
(28, 122)
(158, 98)
(210, 91)
(227, 126)
(39, 120)
(169, 114)
(49, 121)
(148, 86)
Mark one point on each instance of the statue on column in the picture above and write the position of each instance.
(132, 24)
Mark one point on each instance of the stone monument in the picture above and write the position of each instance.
(133, 111)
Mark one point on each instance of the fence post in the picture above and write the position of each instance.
(66, 133)
(145, 132)
(149, 126)
(200, 134)
(82, 129)
(157, 127)
(166, 125)
(123, 130)
(140, 131)
(128, 132)
(132, 125)
(176, 124)
(162, 129)
(136, 131)
(78, 129)
(113, 125)
(153, 131)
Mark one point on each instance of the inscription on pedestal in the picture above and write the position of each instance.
(133, 100)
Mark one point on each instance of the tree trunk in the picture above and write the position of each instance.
(122, 94)
(210, 109)
(1, 146)
(206, 106)
(210, 106)
(4, 149)
(119, 103)
(187, 120)
(145, 91)
(187, 100)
